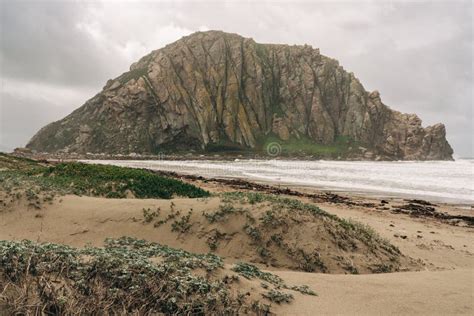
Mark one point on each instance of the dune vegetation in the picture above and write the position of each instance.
(87, 179)
(126, 276)
(211, 263)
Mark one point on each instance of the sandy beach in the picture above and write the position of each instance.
(442, 283)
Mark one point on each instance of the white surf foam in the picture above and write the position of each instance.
(449, 181)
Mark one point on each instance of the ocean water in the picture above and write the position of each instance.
(442, 181)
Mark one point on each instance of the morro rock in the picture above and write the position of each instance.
(215, 91)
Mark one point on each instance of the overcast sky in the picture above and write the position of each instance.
(57, 54)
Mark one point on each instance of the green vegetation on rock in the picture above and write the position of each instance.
(132, 74)
(304, 146)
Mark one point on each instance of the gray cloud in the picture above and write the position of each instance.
(55, 55)
(41, 42)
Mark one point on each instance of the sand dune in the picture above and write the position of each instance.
(445, 251)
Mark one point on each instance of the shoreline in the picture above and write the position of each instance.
(375, 195)
(201, 156)
(358, 190)
(359, 193)
(451, 213)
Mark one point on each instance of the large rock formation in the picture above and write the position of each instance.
(220, 91)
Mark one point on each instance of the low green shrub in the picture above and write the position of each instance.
(278, 296)
(87, 179)
(103, 179)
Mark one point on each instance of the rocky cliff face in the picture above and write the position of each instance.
(218, 91)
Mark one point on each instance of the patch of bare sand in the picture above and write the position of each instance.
(402, 293)
(438, 245)
(80, 221)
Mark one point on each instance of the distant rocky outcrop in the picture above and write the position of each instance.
(215, 91)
